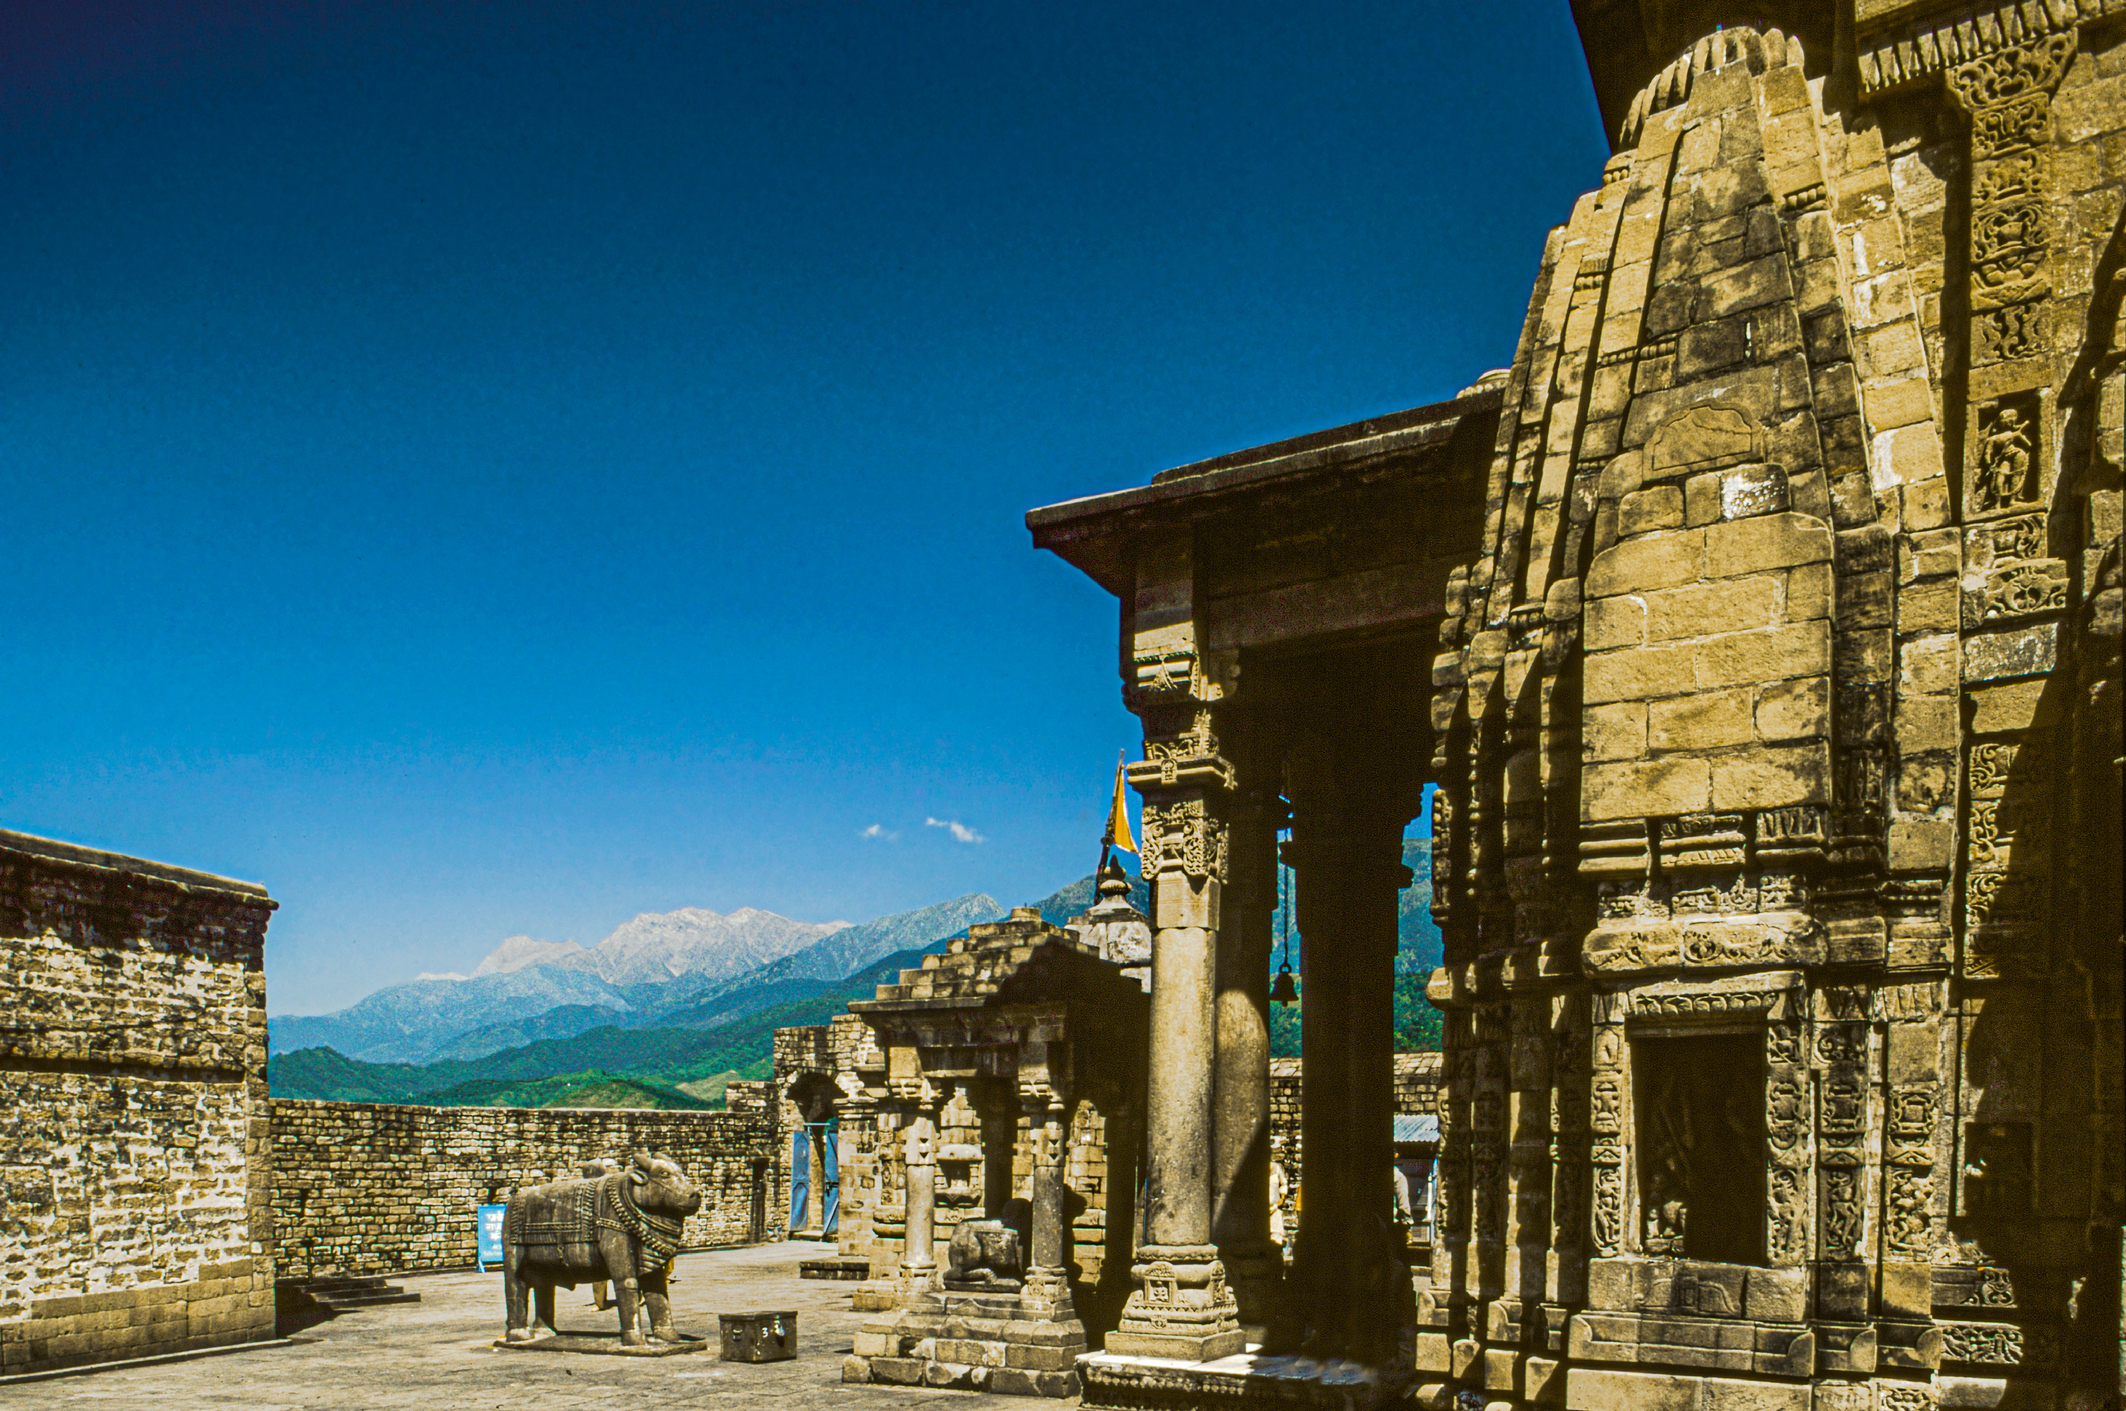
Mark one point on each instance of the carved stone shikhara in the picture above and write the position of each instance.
(1759, 629)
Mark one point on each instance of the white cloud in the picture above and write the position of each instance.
(961, 833)
(434, 975)
(878, 830)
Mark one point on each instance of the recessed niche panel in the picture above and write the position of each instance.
(1701, 1150)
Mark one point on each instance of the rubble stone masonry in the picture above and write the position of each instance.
(373, 1188)
(134, 1157)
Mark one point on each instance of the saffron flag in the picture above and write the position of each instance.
(1118, 817)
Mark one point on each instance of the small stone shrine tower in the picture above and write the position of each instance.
(1011, 1082)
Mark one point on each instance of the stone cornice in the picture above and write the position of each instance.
(1920, 49)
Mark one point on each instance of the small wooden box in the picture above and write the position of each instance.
(759, 1337)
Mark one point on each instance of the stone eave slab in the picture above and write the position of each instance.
(1091, 532)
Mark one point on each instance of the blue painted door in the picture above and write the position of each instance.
(833, 1182)
(800, 1176)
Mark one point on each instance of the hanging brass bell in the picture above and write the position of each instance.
(1284, 989)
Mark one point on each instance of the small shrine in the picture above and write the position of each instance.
(1011, 1084)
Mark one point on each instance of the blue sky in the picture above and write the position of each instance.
(483, 469)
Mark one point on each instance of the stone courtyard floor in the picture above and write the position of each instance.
(437, 1354)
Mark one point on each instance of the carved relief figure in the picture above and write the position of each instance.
(2006, 459)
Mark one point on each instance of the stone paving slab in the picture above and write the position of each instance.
(438, 1354)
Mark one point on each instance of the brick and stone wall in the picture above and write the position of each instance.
(372, 1188)
(1417, 1084)
(134, 1158)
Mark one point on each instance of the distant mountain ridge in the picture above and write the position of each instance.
(714, 967)
(407, 1023)
(696, 941)
(684, 1031)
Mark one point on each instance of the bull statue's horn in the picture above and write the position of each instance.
(645, 1165)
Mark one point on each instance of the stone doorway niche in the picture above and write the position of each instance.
(1700, 1110)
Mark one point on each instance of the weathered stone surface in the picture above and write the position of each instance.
(350, 1171)
(135, 1157)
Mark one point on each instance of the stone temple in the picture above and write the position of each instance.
(1759, 628)
(1755, 637)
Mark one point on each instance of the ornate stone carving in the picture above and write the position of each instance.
(2006, 334)
(1785, 1233)
(1786, 1112)
(1910, 1134)
(1569, 1202)
(1184, 835)
(1173, 753)
(1165, 675)
(2004, 462)
(2026, 589)
(1994, 1344)
(1606, 1112)
(1703, 840)
(1841, 1118)
(1841, 1211)
(2008, 248)
(1706, 1002)
(1608, 1210)
(2012, 73)
(1908, 1196)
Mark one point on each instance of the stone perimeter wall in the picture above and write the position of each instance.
(374, 1188)
(134, 1156)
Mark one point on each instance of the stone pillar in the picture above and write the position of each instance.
(1240, 1087)
(1351, 1291)
(1180, 1307)
(919, 1264)
(816, 1201)
(1048, 1260)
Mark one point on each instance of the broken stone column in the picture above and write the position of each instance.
(1048, 1276)
(919, 1264)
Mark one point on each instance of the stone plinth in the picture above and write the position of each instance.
(1015, 1343)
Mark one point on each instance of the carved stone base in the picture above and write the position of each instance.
(975, 1342)
(1128, 1383)
(1181, 1308)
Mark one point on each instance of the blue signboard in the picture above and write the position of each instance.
(488, 1230)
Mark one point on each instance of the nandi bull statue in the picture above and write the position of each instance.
(623, 1226)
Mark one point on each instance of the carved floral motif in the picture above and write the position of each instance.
(1997, 1344)
(2011, 73)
